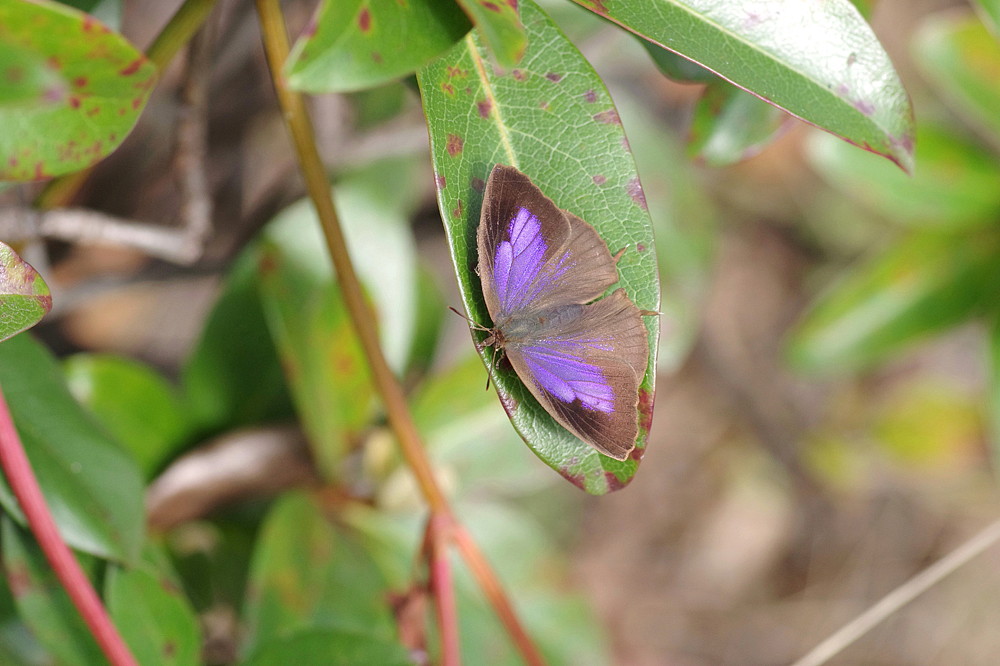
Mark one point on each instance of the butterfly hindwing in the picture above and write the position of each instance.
(586, 371)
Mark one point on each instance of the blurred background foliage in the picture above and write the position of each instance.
(827, 415)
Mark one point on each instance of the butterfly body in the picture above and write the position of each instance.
(543, 271)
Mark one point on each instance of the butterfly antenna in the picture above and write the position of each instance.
(472, 323)
(619, 253)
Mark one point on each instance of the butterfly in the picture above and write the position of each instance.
(542, 270)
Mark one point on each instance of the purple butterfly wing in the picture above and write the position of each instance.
(533, 255)
(585, 367)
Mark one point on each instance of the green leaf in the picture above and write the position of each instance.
(93, 488)
(554, 120)
(226, 384)
(323, 360)
(926, 284)
(155, 619)
(430, 312)
(308, 573)
(962, 59)
(933, 197)
(356, 44)
(990, 11)
(994, 379)
(24, 296)
(133, 402)
(731, 125)
(819, 61)
(500, 27)
(320, 353)
(101, 87)
(330, 647)
(25, 76)
(42, 602)
(108, 12)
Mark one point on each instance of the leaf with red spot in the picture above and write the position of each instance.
(358, 44)
(24, 296)
(87, 87)
(150, 610)
(500, 28)
(554, 120)
(819, 61)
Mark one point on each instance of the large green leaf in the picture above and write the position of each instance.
(96, 86)
(330, 647)
(819, 61)
(92, 486)
(935, 197)
(308, 573)
(356, 44)
(42, 603)
(24, 296)
(990, 10)
(994, 352)
(554, 120)
(320, 353)
(233, 376)
(962, 59)
(500, 27)
(153, 616)
(133, 402)
(926, 284)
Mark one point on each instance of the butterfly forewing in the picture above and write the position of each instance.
(533, 255)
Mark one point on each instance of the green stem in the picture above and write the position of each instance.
(275, 36)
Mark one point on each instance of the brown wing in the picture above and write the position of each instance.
(586, 371)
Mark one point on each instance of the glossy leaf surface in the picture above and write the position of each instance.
(95, 84)
(24, 296)
(554, 120)
(819, 61)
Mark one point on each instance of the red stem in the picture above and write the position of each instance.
(443, 587)
(22, 481)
